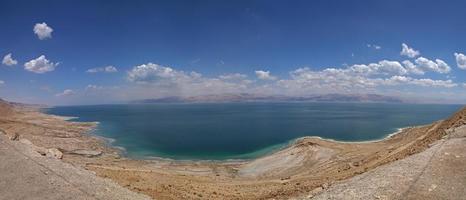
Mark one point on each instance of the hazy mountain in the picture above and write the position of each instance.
(247, 97)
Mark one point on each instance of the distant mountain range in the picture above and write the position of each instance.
(247, 97)
(7, 106)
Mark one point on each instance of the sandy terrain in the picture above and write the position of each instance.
(304, 169)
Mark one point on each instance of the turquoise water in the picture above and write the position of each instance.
(244, 130)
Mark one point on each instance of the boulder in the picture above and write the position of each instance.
(14, 136)
(40, 150)
(54, 153)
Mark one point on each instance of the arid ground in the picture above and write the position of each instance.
(308, 168)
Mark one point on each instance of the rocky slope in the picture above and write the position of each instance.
(6, 108)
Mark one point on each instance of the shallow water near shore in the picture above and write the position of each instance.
(244, 130)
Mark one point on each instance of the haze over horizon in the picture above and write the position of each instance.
(95, 52)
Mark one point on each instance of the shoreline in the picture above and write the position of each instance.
(280, 146)
(398, 131)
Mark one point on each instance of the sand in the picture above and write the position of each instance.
(309, 165)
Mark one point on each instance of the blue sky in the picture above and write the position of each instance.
(188, 48)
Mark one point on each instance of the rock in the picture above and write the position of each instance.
(40, 150)
(54, 153)
(25, 141)
(348, 166)
(325, 186)
(314, 192)
(87, 153)
(14, 136)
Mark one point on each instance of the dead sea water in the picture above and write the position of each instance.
(244, 130)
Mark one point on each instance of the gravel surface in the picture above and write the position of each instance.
(437, 173)
(25, 174)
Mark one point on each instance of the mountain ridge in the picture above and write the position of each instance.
(248, 97)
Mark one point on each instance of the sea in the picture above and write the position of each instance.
(224, 131)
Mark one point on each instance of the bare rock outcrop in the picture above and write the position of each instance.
(54, 153)
(13, 136)
(40, 150)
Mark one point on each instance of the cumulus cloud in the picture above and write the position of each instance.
(438, 66)
(412, 68)
(384, 75)
(305, 80)
(107, 69)
(265, 75)
(8, 60)
(40, 65)
(65, 93)
(460, 60)
(356, 78)
(167, 79)
(408, 51)
(43, 31)
(366, 76)
(384, 67)
(150, 73)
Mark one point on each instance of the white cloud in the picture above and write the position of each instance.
(327, 80)
(65, 93)
(43, 31)
(376, 47)
(264, 75)
(391, 67)
(149, 73)
(438, 66)
(362, 78)
(460, 60)
(40, 65)
(412, 68)
(107, 69)
(395, 80)
(407, 51)
(152, 79)
(384, 67)
(8, 60)
(235, 76)
(2, 82)
(93, 88)
(168, 80)
(357, 78)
